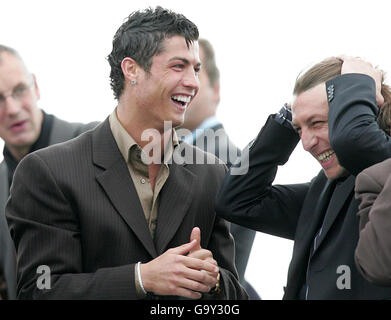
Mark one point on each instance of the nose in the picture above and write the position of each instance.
(12, 106)
(308, 139)
(191, 79)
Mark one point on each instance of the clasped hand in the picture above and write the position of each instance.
(187, 270)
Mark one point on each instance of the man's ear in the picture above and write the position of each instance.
(36, 88)
(129, 69)
(216, 93)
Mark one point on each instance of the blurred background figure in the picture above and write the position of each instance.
(373, 190)
(24, 128)
(209, 135)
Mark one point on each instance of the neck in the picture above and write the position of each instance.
(192, 124)
(150, 137)
(19, 152)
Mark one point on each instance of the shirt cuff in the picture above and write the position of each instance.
(284, 117)
(139, 291)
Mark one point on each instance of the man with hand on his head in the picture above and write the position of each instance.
(333, 113)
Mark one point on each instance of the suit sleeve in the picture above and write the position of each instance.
(373, 252)
(46, 232)
(221, 245)
(86, 127)
(353, 131)
(247, 196)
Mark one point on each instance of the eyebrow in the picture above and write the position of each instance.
(309, 120)
(16, 86)
(185, 61)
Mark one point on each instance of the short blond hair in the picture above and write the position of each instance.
(331, 68)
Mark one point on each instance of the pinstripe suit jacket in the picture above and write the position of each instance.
(81, 216)
(61, 131)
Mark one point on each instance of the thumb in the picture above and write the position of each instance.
(378, 77)
(196, 235)
(184, 248)
(379, 100)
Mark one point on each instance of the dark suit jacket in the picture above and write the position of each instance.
(61, 131)
(373, 252)
(297, 211)
(223, 148)
(81, 216)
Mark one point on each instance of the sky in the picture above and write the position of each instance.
(261, 47)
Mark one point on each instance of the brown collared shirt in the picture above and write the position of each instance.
(139, 172)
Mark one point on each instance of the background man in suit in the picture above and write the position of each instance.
(119, 213)
(24, 128)
(334, 113)
(209, 134)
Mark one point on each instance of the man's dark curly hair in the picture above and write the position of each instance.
(141, 37)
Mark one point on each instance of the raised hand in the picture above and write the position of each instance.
(358, 65)
(200, 253)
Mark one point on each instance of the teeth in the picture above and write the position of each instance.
(185, 99)
(325, 156)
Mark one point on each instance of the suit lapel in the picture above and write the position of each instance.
(118, 185)
(4, 187)
(337, 202)
(217, 126)
(314, 216)
(175, 199)
(310, 221)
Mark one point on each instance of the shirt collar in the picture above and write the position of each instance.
(127, 145)
(209, 123)
(206, 124)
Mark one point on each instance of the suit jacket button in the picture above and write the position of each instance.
(330, 92)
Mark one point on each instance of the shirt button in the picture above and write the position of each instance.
(142, 181)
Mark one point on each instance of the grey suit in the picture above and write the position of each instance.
(373, 252)
(85, 220)
(61, 131)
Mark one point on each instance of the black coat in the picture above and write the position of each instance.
(297, 211)
(61, 131)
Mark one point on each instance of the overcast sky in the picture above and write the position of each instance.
(261, 46)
